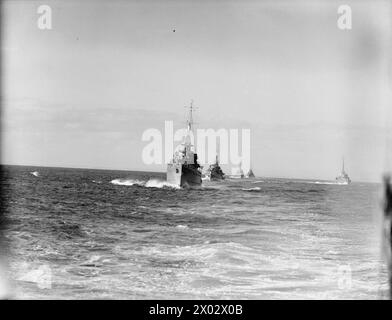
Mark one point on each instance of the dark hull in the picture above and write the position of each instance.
(215, 172)
(217, 176)
(190, 176)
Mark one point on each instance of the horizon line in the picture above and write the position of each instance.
(162, 172)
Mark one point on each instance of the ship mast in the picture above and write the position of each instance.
(343, 166)
(189, 137)
(190, 120)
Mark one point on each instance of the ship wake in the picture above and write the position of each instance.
(151, 183)
(328, 182)
(35, 173)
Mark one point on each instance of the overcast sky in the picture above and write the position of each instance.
(81, 94)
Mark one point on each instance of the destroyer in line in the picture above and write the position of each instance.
(184, 170)
(343, 178)
(250, 174)
(214, 171)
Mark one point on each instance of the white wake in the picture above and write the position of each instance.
(152, 183)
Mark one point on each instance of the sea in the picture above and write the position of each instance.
(104, 234)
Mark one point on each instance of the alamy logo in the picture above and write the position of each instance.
(344, 17)
(44, 21)
(160, 148)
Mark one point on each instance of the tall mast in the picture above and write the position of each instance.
(190, 120)
(343, 165)
(189, 137)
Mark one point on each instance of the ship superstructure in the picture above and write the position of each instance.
(214, 172)
(184, 170)
(250, 174)
(343, 178)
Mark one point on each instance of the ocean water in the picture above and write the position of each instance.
(88, 234)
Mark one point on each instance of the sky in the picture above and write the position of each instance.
(82, 94)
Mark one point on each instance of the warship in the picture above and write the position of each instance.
(343, 178)
(250, 174)
(214, 172)
(184, 170)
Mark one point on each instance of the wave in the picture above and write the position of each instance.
(35, 173)
(92, 262)
(251, 189)
(66, 230)
(152, 183)
(227, 255)
(126, 182)
(328, 182)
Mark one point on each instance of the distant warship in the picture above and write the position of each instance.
(343, 178)
(250, 174)
(214, 172)
(238, 173)
(184, 169)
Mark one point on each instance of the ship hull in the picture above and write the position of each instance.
(174, 173)
(343, 181)
(216, 173)
(183, 175)
(190, 176)
(250, 175)
(217, 177)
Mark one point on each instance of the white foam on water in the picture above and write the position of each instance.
(126, 182)
(252, 189)
(152, 183)
(328, 182)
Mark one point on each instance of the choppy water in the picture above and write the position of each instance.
(76, 233)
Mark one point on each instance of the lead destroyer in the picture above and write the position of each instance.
(184, 170)
(343, 178)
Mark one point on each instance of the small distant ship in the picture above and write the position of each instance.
(343, 178)
(250, 174)
(238, 173)
(184, 170)
(214, 172)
